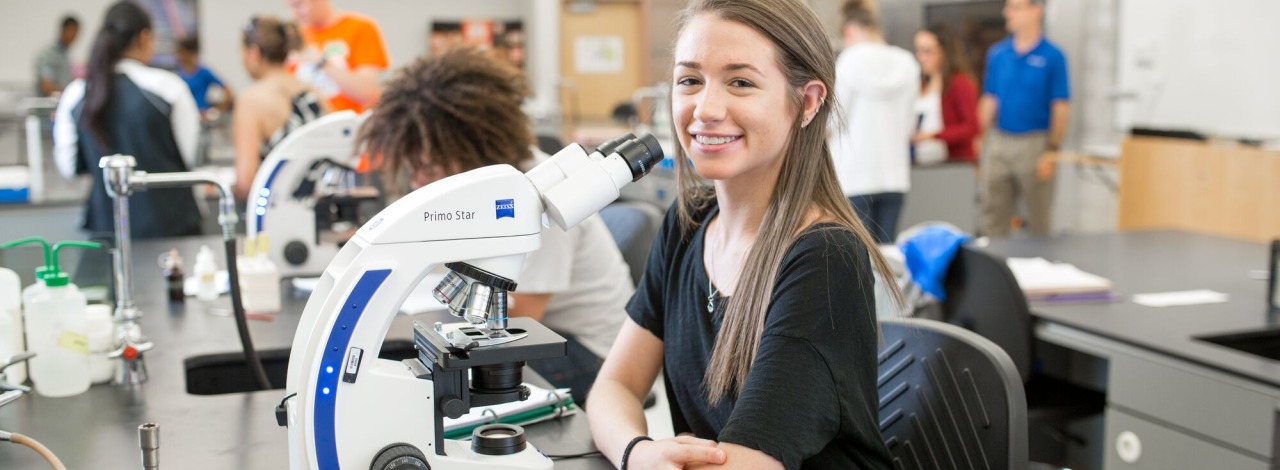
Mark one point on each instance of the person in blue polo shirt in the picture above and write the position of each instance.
(1024, 108)
(198, 77)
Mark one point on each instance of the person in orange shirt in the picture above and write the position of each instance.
(343, 54)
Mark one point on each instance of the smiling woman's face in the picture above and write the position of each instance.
(730, 100)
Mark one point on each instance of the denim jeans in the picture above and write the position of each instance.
(879, 213)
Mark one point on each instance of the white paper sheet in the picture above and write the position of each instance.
(1038, 277)
(1181, 298)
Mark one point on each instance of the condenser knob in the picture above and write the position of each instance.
(296, 252)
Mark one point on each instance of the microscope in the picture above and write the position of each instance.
(347, 408)
(305, 199)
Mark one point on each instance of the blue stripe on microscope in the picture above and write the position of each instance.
(259, 209)
(327, 382)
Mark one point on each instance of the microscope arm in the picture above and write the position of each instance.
(349, 403)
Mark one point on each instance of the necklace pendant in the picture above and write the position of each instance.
(711, 303)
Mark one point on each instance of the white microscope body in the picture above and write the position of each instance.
(352, 410)
(288, 221)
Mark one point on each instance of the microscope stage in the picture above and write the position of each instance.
(539, 343)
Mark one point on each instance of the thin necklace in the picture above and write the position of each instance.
(711, 296)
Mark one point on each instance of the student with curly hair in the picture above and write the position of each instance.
(460, 110)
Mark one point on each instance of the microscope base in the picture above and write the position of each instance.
(393, 406)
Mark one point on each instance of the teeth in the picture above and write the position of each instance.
(715, 140)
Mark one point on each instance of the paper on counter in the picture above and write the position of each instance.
(1041, 277)
(1181, 298)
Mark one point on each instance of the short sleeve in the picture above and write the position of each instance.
(1060, 88)
(368, 49)
(989, 74)
(548, 269)
(213, 78)
(789, 407)
(44, 66)
(646, 306)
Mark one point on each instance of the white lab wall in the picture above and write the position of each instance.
(1204, 66)
(33, 24)
(30, 26)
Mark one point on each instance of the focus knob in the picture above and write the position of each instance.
(453, 407)
(400, 457)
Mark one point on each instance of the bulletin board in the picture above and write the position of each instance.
(171, 21)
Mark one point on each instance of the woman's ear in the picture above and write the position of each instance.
(814, 98)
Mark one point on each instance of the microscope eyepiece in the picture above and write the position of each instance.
(641, 154)
(610, 146)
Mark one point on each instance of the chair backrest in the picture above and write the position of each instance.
(633, 225)
(984, 297)
(949, 399)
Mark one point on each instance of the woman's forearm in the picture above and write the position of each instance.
(616, 416)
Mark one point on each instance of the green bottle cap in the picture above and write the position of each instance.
(58, 279)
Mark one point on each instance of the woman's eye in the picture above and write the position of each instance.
(741, 83)
(687, 81)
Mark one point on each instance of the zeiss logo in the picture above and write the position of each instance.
(505, 208)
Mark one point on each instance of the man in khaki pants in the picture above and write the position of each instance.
(1024, 108)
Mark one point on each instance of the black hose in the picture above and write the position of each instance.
(242, 324)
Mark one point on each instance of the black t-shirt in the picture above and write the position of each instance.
(810, 398)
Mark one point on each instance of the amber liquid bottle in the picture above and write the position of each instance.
(174, 278)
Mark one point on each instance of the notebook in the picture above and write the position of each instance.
(543, 404)
(1041, 278)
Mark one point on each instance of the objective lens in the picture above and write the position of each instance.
(498, 312)
(449, 287)
(476, 308)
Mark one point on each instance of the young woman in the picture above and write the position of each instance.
(757, 301)
(276, 103)
(460, 110)
(948, 99)
(123, 106)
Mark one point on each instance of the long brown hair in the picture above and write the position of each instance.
(807, 178)
(954, 59)
(121, 27)
(458, 110)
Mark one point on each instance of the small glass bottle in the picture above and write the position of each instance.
(173, 276)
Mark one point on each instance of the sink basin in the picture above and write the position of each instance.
(1264, 343)
(216, 374)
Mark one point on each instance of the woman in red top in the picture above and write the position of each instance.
(945, 70)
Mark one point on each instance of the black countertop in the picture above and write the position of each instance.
(1161, 261)
(98, 429)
